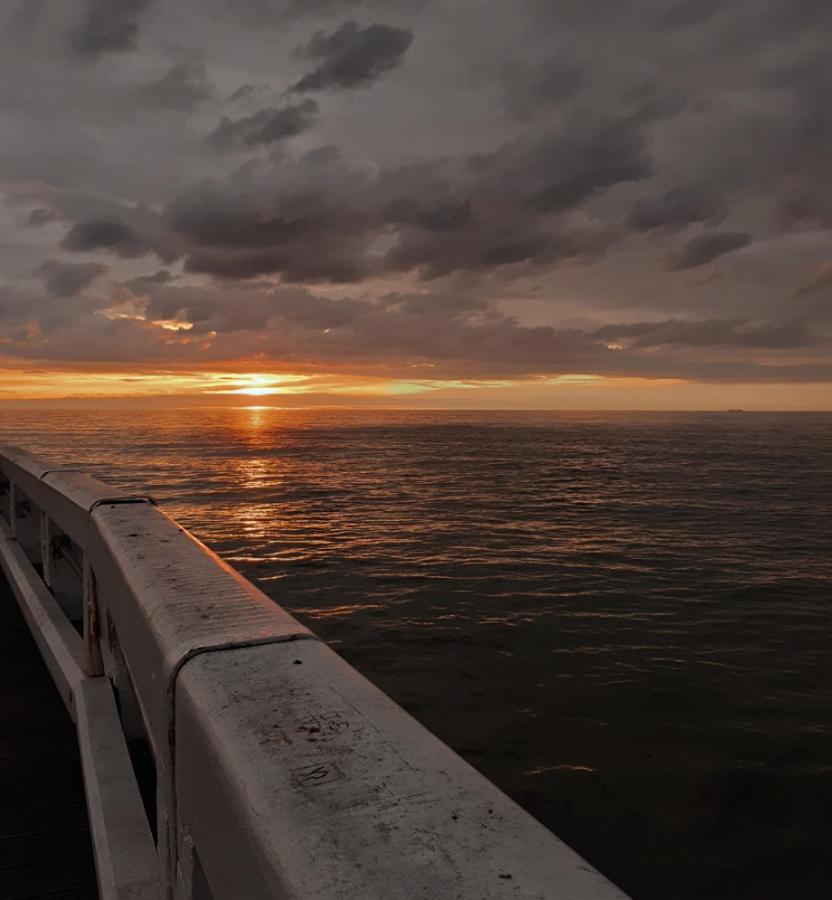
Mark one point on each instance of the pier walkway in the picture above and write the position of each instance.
(45, 845)
(222, 751)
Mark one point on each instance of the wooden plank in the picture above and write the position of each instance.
(33, 821)
(38, 745)
(45, 846)
(37, 879)
(87, 893)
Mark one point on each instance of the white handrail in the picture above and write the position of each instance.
(280, 771)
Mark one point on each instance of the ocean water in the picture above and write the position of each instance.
(622, 619)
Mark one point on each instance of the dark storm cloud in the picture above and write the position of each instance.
(308, 218)
(588, 157)
(803, 152)
(108, 25)
(532, 88)
(144, 282)
(677, 209)
(814, 300)
(317, 218)
(266, 126)
(822, 282)
(287, 9)
(706, 248)
(64, 279)
(283, 12)
(43, 216)
(182, 87)
(24, 17)
(352, 56)
(769, 19)
(754, 83)
(104, 235)
(709, 333)
(515, 205)
(775, 20)
(30, 320)
(435, 303)
(684, 13)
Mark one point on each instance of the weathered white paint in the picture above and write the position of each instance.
(126, 863)
(352, 797)
(281, 772)
(171, 598)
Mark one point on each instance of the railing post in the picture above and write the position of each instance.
(13, 509)
(47, 550)
(93, 663)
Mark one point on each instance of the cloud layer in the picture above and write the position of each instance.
(479, 189)
(352, 56)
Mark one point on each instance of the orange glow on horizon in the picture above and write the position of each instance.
(38, 383)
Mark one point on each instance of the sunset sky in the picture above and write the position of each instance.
(459, 203)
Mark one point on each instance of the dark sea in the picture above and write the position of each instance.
(623, 620)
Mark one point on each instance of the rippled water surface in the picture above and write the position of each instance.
(622, 619)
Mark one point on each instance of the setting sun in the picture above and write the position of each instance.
(261, 385)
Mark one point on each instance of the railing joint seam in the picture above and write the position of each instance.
(58, 471)
(119, 501)
(238, 645)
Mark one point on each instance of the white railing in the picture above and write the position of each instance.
(276, 770)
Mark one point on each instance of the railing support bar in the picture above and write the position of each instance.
(93, 662)
(125, 856)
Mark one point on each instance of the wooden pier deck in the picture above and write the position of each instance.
(45, 846)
